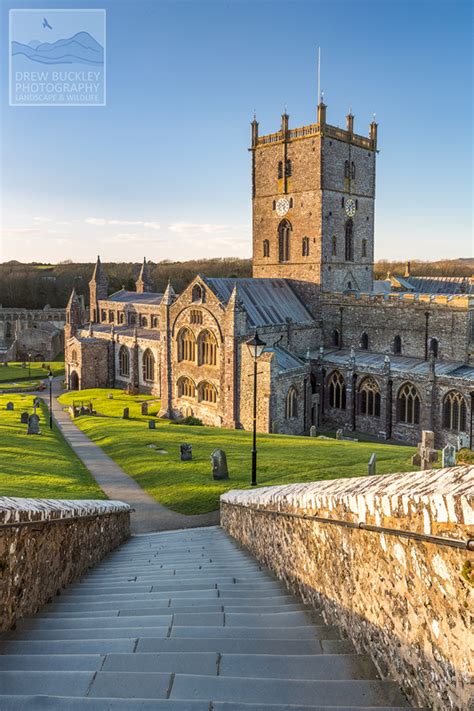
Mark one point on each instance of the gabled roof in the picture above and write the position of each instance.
(131, 297)
(285, 360)
(266, 301)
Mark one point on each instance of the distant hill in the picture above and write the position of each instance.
(34, 285)
(82, 48)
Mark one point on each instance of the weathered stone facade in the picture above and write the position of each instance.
(47, 544)
(38, 332)
(405, 600)
(337, 353)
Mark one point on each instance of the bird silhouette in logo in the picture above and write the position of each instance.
(46, 24)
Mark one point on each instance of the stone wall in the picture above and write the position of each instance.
(41, 551)
(403, 601)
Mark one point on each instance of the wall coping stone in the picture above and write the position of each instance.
(17, 510)
(427, 502)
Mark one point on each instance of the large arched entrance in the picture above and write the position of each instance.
(73, 381)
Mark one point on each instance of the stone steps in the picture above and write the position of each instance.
(184, 621)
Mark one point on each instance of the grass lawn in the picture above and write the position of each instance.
(23, 384)
(14, 371)
(42, 465)
(188, 487)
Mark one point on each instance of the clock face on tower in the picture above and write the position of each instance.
(282, 206)
(350, 207)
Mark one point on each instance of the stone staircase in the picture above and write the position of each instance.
(184, 621)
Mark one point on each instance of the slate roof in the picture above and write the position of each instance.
(437, 285)
(123, 330)
(398, 363)
(285, 360)
(266, 301)
(131, 297)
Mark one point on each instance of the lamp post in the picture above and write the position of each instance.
(255, 346)
(29, 365)
(50, 378)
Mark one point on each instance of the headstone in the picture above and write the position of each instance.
(274, 427)
(10, 406)
(426, 452)
(126, 413)
(23, 365)
(24, 418)
(152, 424)
(449, 456)
(186, 452)
(463, 441)
(144, 408)
(339, 434)
(313, 431)
(33, 424)
(110, 396)
(372, 464)
(219, 465)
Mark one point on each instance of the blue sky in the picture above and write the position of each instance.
(163, 169)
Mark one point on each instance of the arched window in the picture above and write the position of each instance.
(353, 170)
(408, 404)
(124, 361)
(289, 168)
(144, 322)
(434, 347)
(207, 349)
(111, 316)
(198, 293)
(280, 169)
(8, 329)
(334, 246)
(291, 409)
(364, 247)
(266, 248)
(349, 237)
(336, 338)
(274, 204)
(454, 412)
(346, 169)
(305, 247)
(284, 230)
(207, 392)
(364, 341)
(132, 319)
(337, 391)
(397, 345)
(186, 345)
(186, 388)
(74, 356)
(369, 398)
(121, 317)
(342, 202)
(148, 365)
(154, 321)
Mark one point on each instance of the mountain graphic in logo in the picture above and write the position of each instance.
(80, 48)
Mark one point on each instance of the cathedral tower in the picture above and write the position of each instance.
(98, 289)
(313, 193)
(143, 282)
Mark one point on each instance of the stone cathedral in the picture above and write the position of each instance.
(388, 359)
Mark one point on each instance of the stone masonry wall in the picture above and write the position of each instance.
(37, 561)
(405, 602)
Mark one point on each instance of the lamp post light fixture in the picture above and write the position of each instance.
(29, 365)
(255, 346)
(50, 378)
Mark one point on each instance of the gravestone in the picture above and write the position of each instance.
(339, 434)
(110, 396)
(372, 464)
(33, 424)
(427, 454)
(313, 431)
(23, 365)
(24, 418)
(186, 452)
(275, 427)
(126, 413)
(219, 465)
(10, 406)
(448, 456)
(151, 424)
(144, 408)
(463, 441)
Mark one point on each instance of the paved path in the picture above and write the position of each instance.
(184, 621)
(149, 515)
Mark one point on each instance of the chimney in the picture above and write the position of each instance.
(254, 126)
(350, 122)
(321, 113)
(407, 269)
(373, 134)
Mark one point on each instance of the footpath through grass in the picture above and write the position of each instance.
(188, 487)
(42, 466)
(15, 372)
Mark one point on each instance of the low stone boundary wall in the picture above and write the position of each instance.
(366, 551)
(46, 544)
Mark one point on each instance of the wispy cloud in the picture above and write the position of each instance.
(101, 222)
(196, 228)
(127, 238)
